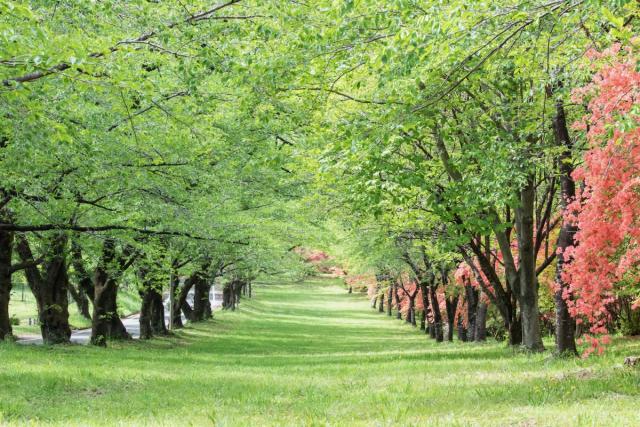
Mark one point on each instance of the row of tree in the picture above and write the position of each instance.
(136, 147)
(455, 143)
(138, 129)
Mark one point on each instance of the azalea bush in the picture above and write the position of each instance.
(604, 262)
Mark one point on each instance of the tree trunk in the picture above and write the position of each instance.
(180, 304)
(480, 333)
(236, 295)
(106, 323)
(397, 297)
(145, 314)
(201, 299)
(250, 290)
(234, 298)
(226, 297)
(198, 305)
(6, 249)
(208, 313)
(424, 294)
(381, 306)
(452, 306)
(175, 291)
(431, 326)
(54, 319)
(565, 324)
(81, 300)
(437, 316)
(49, 288)
(528, 286)
(187, 310)
(462, 331)
(410, 318)
(158, 324)
(471, 296)
(515, 331)
(390, 300)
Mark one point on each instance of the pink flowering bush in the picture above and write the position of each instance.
(604, 263)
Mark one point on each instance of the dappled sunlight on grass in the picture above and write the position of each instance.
(310, 354)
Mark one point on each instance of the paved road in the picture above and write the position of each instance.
(131, 323)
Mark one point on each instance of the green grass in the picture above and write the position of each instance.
(23, 306)
(310, 354)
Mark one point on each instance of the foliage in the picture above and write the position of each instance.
(604, 261)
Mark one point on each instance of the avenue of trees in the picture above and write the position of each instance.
(135, 147)
(489, 150)
(482, 157)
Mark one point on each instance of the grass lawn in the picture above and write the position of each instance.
(310, 354)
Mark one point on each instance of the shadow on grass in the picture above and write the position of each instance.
(298, 352)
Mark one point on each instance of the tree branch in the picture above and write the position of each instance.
(62, 66)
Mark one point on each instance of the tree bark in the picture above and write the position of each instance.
(528, 286)
(197, 280)
(502, 298)
(81, 300)
(201, 299)
(515, 331)
(233, 296)
(411, 311)
(462, 331)
(152, 309)
(437, 316)
(6, 250)
(49, 288)
(226, 297)
(236, 295)
(106, 323)
(565, 324)
(471, 296)
(145, 314)
(174, 290)
(180, 305)
(452, 306)
(397, 298)
(424, 294)
(208, 312)
(480, 333)
(158, 325)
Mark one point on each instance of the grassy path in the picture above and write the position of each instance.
(309, 354)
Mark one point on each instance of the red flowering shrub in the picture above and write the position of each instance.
(604, 263)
